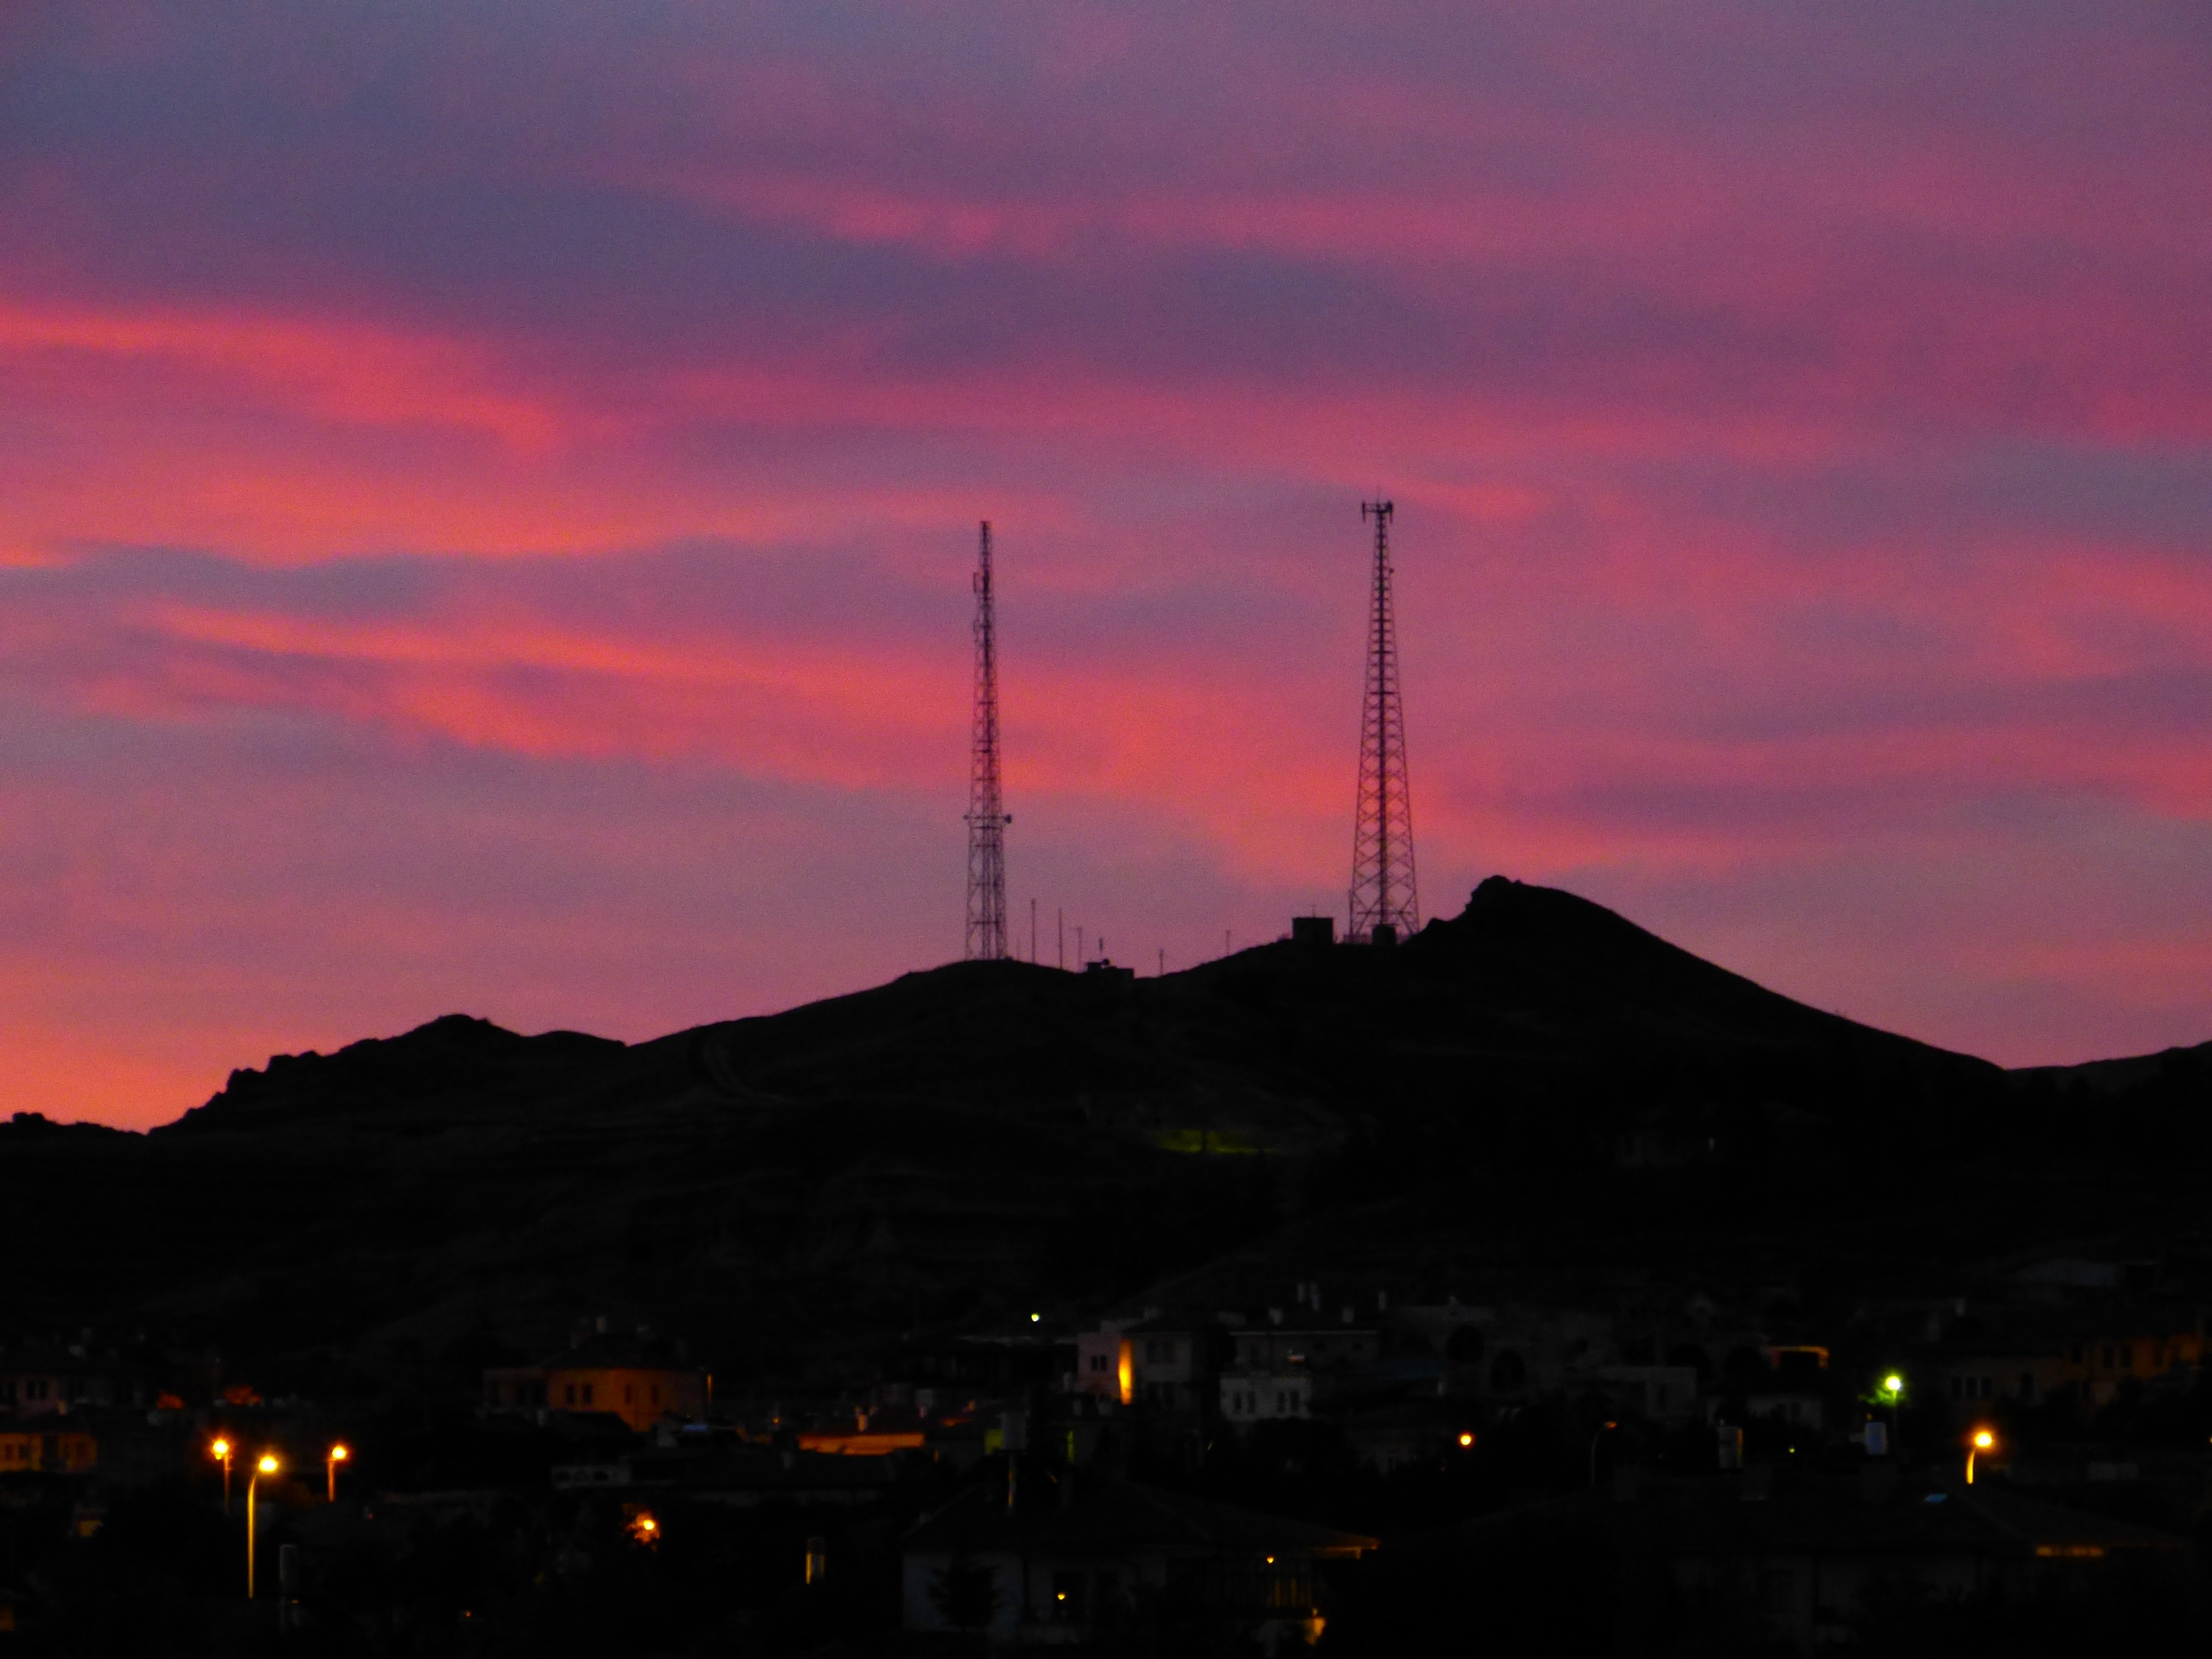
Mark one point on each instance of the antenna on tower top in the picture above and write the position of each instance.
(987, 815)
(1384, 894)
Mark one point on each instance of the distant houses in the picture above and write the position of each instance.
(1116, 1556)
(636, 1378)
(1651, 1449)
(40, 1378)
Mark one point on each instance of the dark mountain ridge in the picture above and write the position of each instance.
(1535, 1074)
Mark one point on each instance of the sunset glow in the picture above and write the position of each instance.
(487, 496)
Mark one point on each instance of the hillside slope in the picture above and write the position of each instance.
(982, 1137)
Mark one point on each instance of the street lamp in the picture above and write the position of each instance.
(1893, 1389)
(222, 1448)
(1982, 1440)
(267, 1465)
(336, 1455)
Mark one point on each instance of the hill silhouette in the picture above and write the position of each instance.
(1534, 1077)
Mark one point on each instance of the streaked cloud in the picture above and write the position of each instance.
(562, 427)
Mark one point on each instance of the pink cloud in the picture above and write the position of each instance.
(1799, 424)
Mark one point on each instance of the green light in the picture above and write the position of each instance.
(1893, 1385)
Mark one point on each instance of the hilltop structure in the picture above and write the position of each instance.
(987, 810)
(1385, 904)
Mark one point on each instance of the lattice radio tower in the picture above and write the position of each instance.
(986, 808)
(1384, 894)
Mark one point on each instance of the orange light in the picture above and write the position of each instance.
(1465, 1440)
(1127, 1369)
(268, 1463)
(339, 1453)
(1982, 1441)
(220, 1448)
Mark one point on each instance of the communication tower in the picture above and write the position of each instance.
(986, 814)
(1384, 894)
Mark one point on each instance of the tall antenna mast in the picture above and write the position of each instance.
(986, 813)
(1384, 894)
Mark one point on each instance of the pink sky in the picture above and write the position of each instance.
(487, 494)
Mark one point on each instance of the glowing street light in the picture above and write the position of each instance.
(1893, 1389)
(222, 1448)
(267, 1465)
(1983, 1440)
(1466, 1440)
(336, 1455)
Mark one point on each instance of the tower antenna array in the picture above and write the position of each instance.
(1383, 893)
(986, 814)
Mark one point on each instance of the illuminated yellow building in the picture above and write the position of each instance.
(635, 1380)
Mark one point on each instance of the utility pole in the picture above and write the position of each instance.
(986, 813)
(1384, 894)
